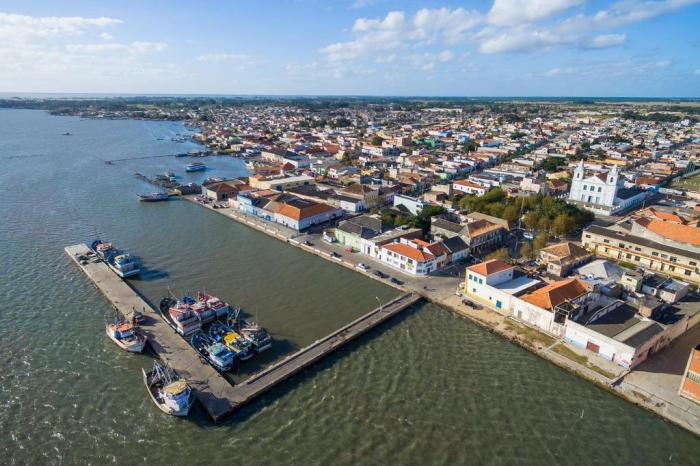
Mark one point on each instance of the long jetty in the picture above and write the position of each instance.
(216, 394)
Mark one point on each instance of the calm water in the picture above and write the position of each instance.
(427, 388)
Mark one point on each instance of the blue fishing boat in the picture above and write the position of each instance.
(195, 167)
(119, 261)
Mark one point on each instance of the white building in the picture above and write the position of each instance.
(603, 193)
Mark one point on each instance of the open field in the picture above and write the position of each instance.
(691, 183)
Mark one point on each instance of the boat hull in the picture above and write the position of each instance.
(162, 406)
(131, 347)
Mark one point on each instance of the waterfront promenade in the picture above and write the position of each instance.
(442, 289)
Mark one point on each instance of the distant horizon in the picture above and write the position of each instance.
(58, 95)
(373, 48)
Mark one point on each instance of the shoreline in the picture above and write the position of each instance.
(486, 318)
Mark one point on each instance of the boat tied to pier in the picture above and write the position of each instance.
(126, 336)
(180, 316)
(122, 263)
(222, 333)
(168, 391)
(215, 353)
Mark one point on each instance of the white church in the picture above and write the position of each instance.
(603, 193)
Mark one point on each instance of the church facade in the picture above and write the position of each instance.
(603, 193)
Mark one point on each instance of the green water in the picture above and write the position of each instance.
(428, 388)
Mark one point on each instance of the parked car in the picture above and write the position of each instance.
(362, 266)
(396, 281)
(335, 254)
(380, 274)
(466, 302)
(308, 243)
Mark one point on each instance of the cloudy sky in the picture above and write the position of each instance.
(368, 47)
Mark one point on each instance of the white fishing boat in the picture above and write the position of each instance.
(126, 336)
(168, 391)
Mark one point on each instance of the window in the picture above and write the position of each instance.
(588, 236)
(606, 241)
(636, 258)
(600, 189)
(654, 253)
(585, 187)
(664, 256)
(637, 249)
(692, 263)
(687, 272)
(481, 281)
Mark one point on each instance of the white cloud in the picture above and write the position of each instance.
(444, 24)
(515, 12)
(697, 72)
(377, 36)
(106, 36)
(133, 48)
(221, 57)
(19, 28)
(560, 72)
(374, 36)
(603, 41)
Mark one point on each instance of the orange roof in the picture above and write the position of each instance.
(297, 213)
(490, 267)
(669, 217)
(556, 293)
(469, 184)
(672, 231)
(407, 251)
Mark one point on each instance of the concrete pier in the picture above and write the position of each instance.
(214, 392)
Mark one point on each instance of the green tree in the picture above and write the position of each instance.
(561, 224)
(531, 220)
(540, 242)
(526, 251)
(377, 140)
(501, 254)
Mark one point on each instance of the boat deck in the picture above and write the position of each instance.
(214, 392)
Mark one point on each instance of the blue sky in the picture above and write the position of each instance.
(368, 47)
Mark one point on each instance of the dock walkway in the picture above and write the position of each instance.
(214, 392)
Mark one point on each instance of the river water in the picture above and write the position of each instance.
(427, 388)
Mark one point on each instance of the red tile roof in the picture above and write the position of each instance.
(407, 251)
(490, 267)
(556, 293)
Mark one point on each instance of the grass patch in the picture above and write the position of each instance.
(628, 265)
(581, 359)
(529, 335)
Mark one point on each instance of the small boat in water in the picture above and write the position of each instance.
(126, 336)
(180, 316)
(195, 167)
(215, 353)
(168, 391)
(154, 197)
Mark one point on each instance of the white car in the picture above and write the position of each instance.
(362, 266)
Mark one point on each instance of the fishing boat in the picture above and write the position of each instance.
(168, 391)
(119, 261)
(200, 308)
(258, 337)
(195, 167)
(224, 334)
(220, 307)
(180, 316)
(215, 353)
(154, 197)
(124, 264)
(126, 336)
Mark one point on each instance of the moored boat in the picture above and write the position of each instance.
(222, 333)
(215, 353)
(153, 197)
(195, 167)
(203, 311)
(259, 338)
(119, 261)
(126, 336)
(168, 391)
(180, 315)
(220, 307)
